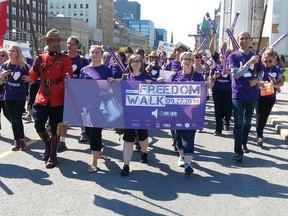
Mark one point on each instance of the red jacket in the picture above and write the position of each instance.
(56, 73)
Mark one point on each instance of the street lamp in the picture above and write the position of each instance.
(14, 31)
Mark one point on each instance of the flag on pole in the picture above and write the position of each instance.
(3, 14)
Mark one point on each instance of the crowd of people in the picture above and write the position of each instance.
(235, 82)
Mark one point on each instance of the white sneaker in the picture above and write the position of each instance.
(181, 161)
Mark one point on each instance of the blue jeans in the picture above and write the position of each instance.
(243, 111)
(185, 140)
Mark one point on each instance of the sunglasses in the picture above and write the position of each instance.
(270, 61)
(187, 59)
(3, 55)
(198, 57)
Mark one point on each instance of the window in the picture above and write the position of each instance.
(51, 5)
(63, 6)
(81, 13)
(87, 13)
(87, 5)
(87, 20)
(57, 6)
(75, 6)
(69, 6)
(69, 13)
(81, 6)
(75, 13)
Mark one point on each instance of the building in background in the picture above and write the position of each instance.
(160, 35)
(250, 20)
(70, 26)
(97, 13)
(125, 36)
(18, 22)
(127, 10)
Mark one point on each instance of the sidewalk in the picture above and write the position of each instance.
(279, 114)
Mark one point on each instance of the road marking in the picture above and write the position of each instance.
(4, 154)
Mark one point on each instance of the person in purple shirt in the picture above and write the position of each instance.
(221, 93)
(95, 71)
(116, 70)
(78, 62)
(265, 104)
(136, 73)
(14, 74)
(214, 54)
(175, 65)
(185, 138)
(245, 91)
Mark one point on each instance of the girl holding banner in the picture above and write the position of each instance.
(185, 138)
(136, 73)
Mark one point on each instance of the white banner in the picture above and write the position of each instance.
(24, 46)
(165, 46)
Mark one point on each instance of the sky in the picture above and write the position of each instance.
(182, 17)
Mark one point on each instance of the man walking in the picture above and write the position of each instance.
(52, 68)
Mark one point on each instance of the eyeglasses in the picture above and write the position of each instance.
(198, 57)
(268, 61)
(135, 62)
(243, 38)
(187, 59)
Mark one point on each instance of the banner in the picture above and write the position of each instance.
(3, 15)
(165, 46)
(134, 104)
(24, 46)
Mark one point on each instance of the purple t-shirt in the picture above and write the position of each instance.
(15, 87)
(240, 87)
(96, 73)
(223, 82)
(180, 76)
(142, 77)
(273, 71)
(78, 62)
(173, 65)
(116, 70)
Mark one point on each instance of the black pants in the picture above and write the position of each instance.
(264, 106)
(15, 110)
(41, 115)
(5, 112)
(33, 89)
(223, 108)
(95, 137)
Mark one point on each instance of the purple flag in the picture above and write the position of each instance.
(134, 104)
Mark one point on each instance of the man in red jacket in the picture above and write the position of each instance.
(52, 68)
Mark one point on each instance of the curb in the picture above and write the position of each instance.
(280, 125)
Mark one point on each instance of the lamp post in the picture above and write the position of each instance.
(14, 31)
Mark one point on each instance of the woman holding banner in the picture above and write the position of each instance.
(95, 71)
(185, 138)
(136, 73)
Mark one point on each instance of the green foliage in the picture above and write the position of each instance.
(286, 74)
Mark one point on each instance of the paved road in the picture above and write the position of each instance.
(219, 186)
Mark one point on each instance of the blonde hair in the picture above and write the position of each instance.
(20, 61)
(269, 52)
(92, 47)
(187, 54)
